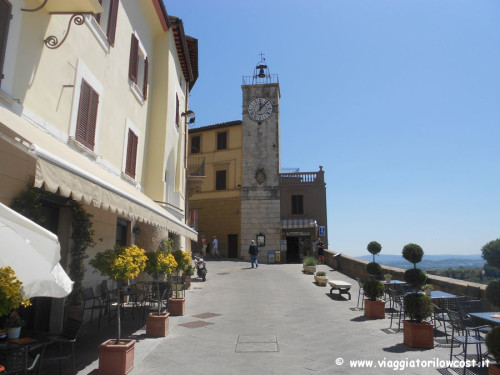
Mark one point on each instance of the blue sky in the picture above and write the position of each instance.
(399, 100)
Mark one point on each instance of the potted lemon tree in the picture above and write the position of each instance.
(116, 356)
(176, 304)
(417, 332)
(159, 263)
(11, 297)
(373, 288)
(491, 253)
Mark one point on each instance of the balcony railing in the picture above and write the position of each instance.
(196, 166)
(302, 178)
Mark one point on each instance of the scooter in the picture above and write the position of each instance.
(201, 267)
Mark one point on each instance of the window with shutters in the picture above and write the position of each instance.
(221, 140)
(138, 67)
(87, 115)
(195, 144)
(297, 204)
(131, 159)
(5, 12)
(177, 110)
(107, 19)
(220, 180)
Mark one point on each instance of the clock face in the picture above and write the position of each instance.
(260, 109)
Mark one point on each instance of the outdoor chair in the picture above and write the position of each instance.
(91, 302)
(150, 305)
(396, 296)
(464, 335)
(470, 306)
(15, 361)
(108, 298)
(440, 314)
(361, 293)
(67, 338)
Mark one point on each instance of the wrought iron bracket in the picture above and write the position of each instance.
(35, 9)
(52, 42)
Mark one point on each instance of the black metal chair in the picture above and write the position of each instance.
(108, 298)
(68, 337)
(440, 314)
(361, 293)
(470, 306)
(464, 335)
(91, 302)
(473, 292)
(396, 296)
(150, 303)
(16, 361)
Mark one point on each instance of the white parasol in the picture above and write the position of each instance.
(33, 253)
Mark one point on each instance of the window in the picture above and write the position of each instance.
(107, 19)
(138, 67)
(121, 232)
(220, 180)
(131, 159)
(193, 219)
(5, 14)
(177, 108)
(87, 116)
(222, 141)
(195, 144)
(297, 204)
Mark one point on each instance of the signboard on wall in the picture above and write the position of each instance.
(321, 230)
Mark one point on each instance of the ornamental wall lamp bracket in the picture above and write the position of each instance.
(52, 41)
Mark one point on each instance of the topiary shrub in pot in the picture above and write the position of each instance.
(491, 253)
(373, 268)
(309, 263)
(374, 306)
(417, 306)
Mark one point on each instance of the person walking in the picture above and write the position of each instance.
(204, 242)
(320, 248)
(215, 246)
(253, 250)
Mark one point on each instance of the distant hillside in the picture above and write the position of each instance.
(434, 262)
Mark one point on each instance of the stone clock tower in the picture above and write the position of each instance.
(260, 192)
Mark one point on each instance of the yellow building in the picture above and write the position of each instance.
(94, 107)
(215, 176)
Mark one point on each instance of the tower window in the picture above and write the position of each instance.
(221, 140)
(195, 144)
(297, 204)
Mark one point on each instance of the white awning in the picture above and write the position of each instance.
(298, 223)
(61, 169)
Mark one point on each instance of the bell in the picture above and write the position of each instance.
(262, 73)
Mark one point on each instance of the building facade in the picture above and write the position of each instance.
(94, 107)
(240, 194)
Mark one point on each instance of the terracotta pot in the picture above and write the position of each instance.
(375, 309)
(320, 280)
(187, 281)
(116, 359)
(157, 325)
(494, 369)
(310, 269)
(176, 306)
(418, 335)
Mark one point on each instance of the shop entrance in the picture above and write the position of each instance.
(298, 245)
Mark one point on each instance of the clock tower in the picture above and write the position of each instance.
(260, 190)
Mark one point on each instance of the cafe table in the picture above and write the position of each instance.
(438, 294)
(26, 346)
(492, 317)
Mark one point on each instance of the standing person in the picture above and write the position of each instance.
(253, 250)
(215, 246)
(204, 242)
(320, 248)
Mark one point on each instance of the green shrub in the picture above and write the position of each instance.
(415, 277)
(373, 268)
(413, 253)
(417, 307)
(493, 343)
(493, 292)
(373, 289)
(374, 248)
(310, 261)
(321, 273)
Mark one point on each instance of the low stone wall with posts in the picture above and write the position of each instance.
(355, 268)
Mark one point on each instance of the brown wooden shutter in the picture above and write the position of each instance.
(87, 116)
(113, 17)
(177, 109)
(131, 158)
(145, 88)
(5, 14)
(134, 59)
